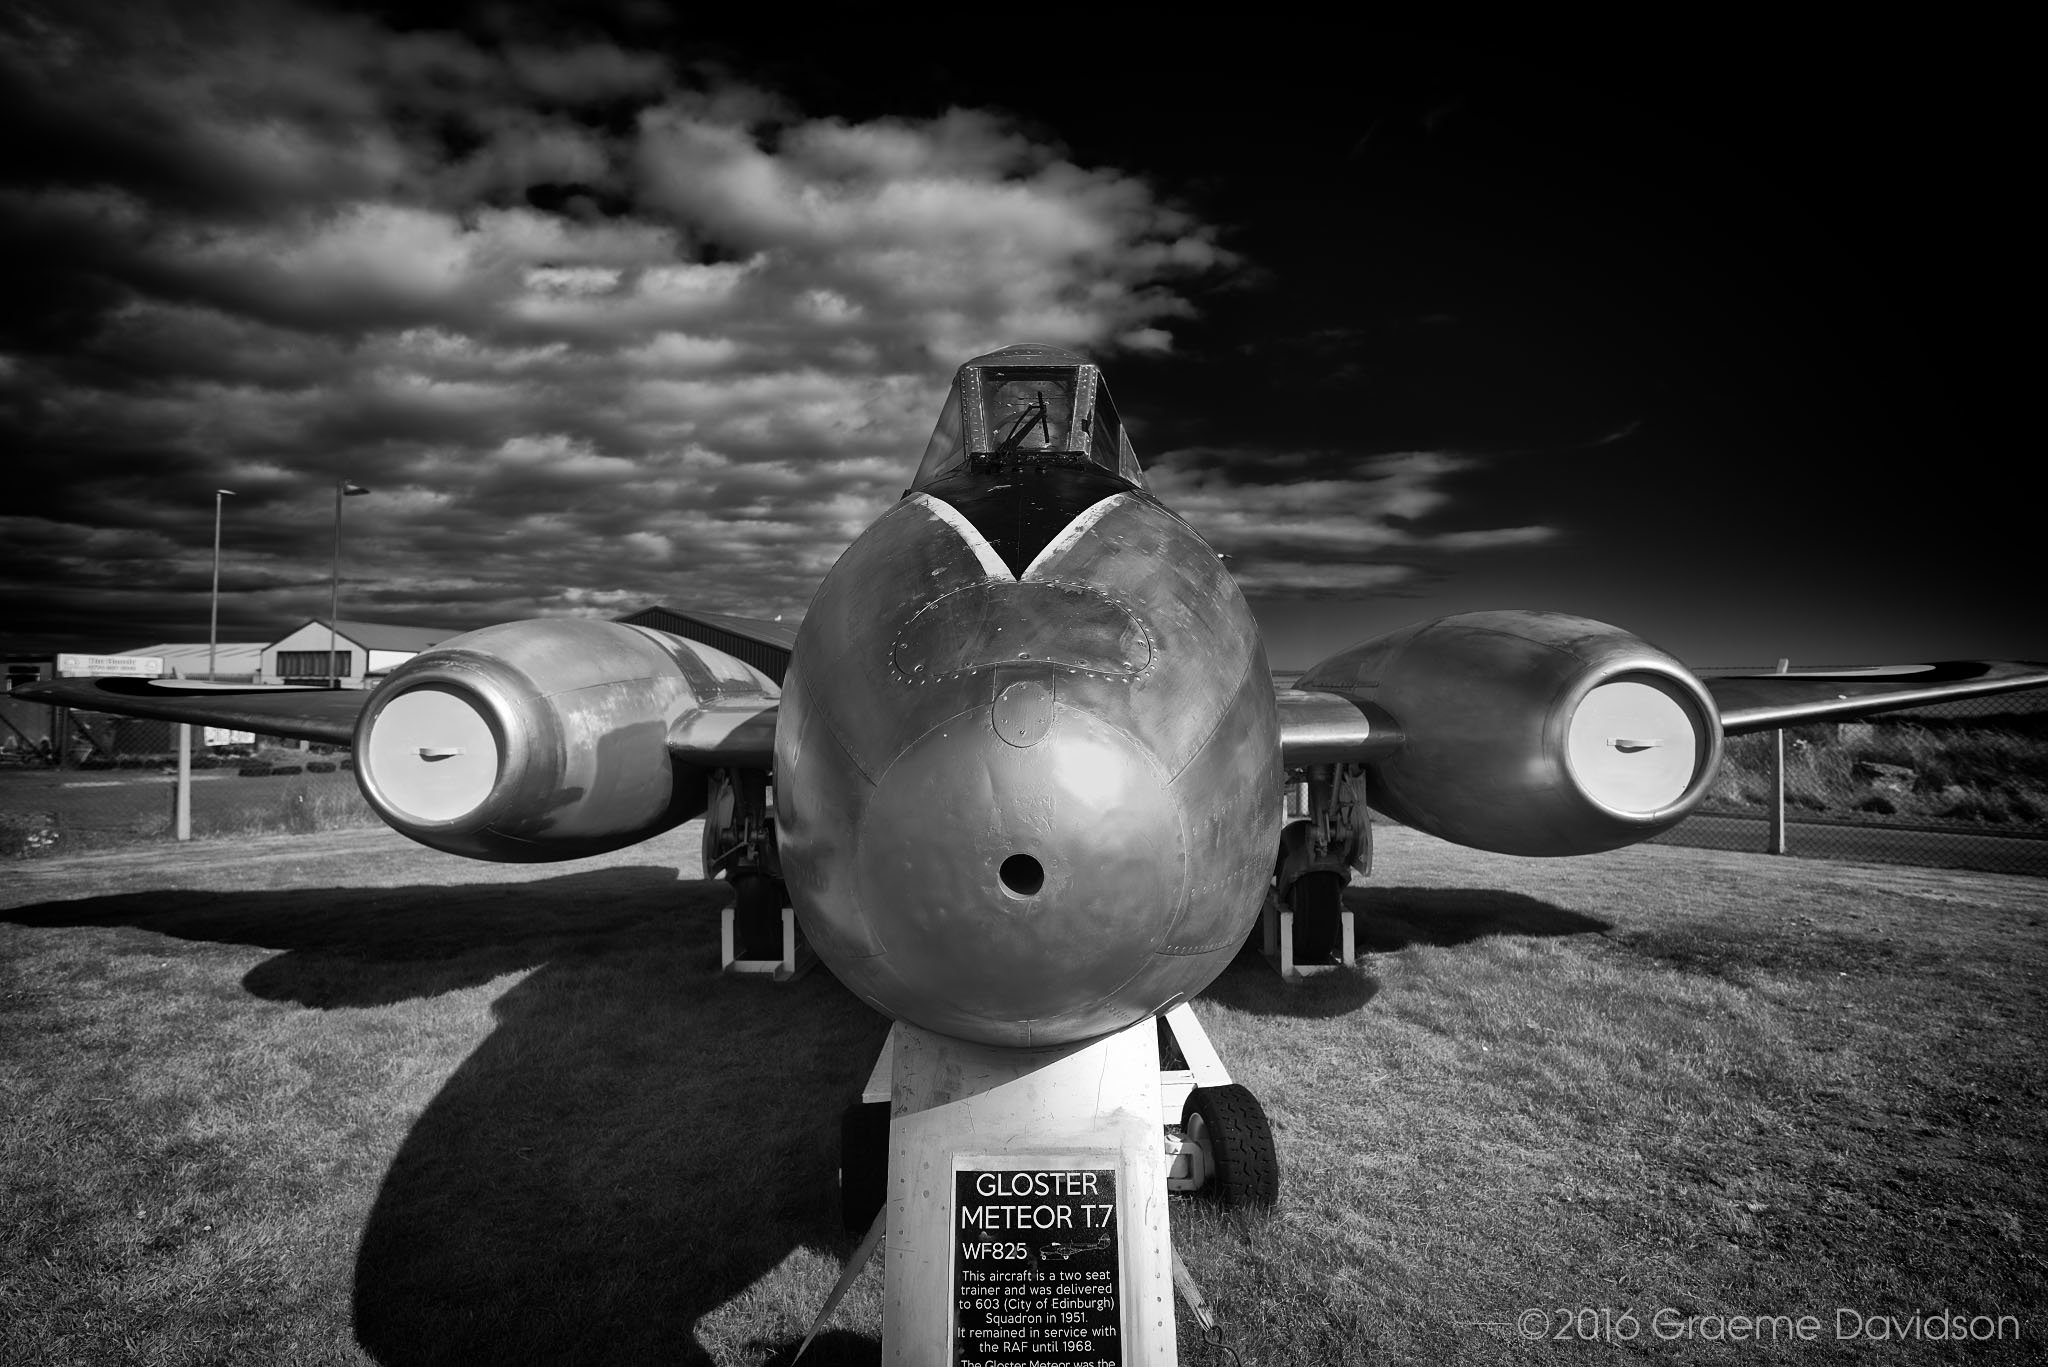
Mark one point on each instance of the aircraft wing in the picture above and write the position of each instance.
(1764, 702)
(317, 714)
(1328, 728)
(735, 732)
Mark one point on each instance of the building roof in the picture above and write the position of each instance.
(189, 657)
(381, 635)
(781, 635)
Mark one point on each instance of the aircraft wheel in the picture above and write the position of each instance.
(1229, 1122)
(863, 1163)
(718, 812)
(1318, 900)
(757, 916)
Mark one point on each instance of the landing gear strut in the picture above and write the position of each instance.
(759, 934)
(1329, 833)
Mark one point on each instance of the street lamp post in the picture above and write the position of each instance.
(213, 623)
(342, 489)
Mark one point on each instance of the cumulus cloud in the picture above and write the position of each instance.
(595, 334)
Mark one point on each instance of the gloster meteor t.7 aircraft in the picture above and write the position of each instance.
(1023, 782)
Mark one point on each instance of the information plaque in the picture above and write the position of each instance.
(1035, 1272)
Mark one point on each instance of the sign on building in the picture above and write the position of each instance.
(96, 666)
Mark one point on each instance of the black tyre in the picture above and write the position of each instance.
(757, 916)
(1318, 900)
(863, 1163)
(1230, 1122)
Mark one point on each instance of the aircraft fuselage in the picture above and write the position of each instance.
(1027, 767)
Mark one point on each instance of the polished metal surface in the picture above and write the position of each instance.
(1028, 809)
(736, 731)
(1491, 705)
(549, 739)
(1322, 728)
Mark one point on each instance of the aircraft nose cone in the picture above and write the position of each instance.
(1019, 862)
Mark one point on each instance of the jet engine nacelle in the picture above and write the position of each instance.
(1532, 732)
(540, 740)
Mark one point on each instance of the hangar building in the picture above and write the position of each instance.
(764, 645)
(363, 651)
(233, 661)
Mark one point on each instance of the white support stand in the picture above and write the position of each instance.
(1204, 1066)
(1019, 1178)
(1277, 927)
(797, 957)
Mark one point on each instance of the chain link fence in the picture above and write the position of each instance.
(114, 781)
(1955, 785)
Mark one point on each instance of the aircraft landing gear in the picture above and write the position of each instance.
(757, 916)
(1229, 1127)
(1223, 1147)
(1318, 899)
(759, 933)
(1328, 834)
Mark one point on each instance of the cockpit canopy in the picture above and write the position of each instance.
(1028, 405)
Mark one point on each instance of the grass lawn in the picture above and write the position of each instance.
(337, 1099)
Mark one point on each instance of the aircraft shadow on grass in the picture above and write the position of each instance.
(1388, 919)
(1391, 918)
(637, 1141)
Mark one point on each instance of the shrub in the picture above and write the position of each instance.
(1972, 807)
(24, 834)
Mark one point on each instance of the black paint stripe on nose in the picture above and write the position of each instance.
(1019, 511)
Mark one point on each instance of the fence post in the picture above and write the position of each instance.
(1777, 845)
(181, 805)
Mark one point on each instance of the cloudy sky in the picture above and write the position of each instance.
(1703, 337)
